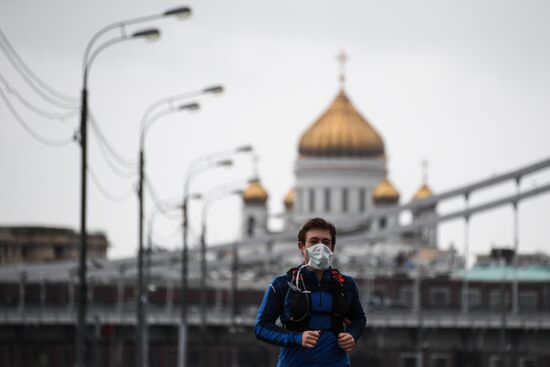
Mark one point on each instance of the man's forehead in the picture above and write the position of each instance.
(318, 233)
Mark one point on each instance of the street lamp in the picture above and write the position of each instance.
(86, 64)
(213, 195)
(194, 169)
(198, 165)
(152, 114)
(146, 122)
(163, 206)
(214, 90)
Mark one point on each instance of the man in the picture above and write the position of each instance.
(318, 307)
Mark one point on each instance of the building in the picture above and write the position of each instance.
(26, 244)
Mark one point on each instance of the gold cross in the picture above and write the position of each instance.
(342, 58)
(425, 165)
(255, 160)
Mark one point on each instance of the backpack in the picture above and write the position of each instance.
(300, 310)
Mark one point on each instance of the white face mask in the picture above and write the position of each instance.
(320, 256)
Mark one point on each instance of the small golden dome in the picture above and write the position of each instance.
(423, 192)
(255, 193)
(341, 131)
(385, 193)
(289, 199)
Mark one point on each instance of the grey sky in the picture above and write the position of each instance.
(464, 84)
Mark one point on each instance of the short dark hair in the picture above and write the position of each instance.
(317, 223)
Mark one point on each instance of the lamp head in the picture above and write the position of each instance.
(216, 89)
(225, 163)
(195, 196)
(189, 107)
(151, 34)
(182, 12)
(245, 149)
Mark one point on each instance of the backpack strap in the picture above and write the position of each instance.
(339, 302)
(300, 308)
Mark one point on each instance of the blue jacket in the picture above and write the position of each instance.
(277, 303)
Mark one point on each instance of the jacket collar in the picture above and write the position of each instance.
(308, 274)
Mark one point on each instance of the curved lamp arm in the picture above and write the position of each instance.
(147, 121)
(209, 160)
(215, 89)
(180, 12)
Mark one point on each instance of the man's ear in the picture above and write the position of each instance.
(301, 246)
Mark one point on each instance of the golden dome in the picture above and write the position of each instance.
(289, 199)
(255, 193)
(423, 192)
(341, 131)
(385, 193)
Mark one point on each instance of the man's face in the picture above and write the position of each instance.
(313, 237)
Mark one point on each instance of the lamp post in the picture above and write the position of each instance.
(146, 123)
(213, 195)
(88, 58)
(198, 165)
(190, 174)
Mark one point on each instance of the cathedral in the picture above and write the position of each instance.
(341, 175)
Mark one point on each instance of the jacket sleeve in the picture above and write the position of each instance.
(268, 313)
(355, 314)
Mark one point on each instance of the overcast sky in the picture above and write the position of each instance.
(463, 84)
